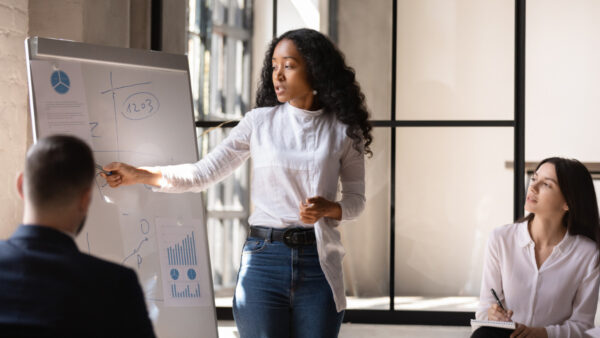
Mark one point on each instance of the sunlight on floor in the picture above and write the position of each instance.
(464, 304)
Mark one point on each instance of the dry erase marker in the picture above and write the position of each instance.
(99, 167)
(497, 299)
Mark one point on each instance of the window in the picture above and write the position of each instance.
(219, 35)
(444, 83)
(445, 93)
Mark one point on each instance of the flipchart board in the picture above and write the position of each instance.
(132, 106)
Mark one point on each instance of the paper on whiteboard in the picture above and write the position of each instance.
(60, 102)
(179, 247)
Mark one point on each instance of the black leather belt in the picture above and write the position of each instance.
(292, 237)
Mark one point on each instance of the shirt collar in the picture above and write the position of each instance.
(45, 234)
(303, 112)
(564, 243)
(524, 238)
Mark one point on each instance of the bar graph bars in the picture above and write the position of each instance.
(181, 248)
(185, 293)
(183, 253)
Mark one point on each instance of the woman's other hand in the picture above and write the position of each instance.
(125, 174)
(496, 313)
(312, 209)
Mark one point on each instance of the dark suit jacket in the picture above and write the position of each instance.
(49, 288)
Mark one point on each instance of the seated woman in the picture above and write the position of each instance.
(544, 268)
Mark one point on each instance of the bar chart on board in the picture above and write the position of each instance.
(179, 258)
(183, 253)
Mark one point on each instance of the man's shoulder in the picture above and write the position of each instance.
(103, 266)
(35, 259)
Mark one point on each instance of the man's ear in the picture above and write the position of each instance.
(86, 200)
(20, 185)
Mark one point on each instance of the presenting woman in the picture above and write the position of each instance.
(544, 269)
(310, 131)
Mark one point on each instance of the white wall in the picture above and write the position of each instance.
(13, 109)
(562, 105)
(562, 80)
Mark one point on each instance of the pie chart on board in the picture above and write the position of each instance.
(60, 81)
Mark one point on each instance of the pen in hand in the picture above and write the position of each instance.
(497, 299)
(497, 312)
(99, 167)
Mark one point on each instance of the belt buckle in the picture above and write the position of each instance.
(290, 239)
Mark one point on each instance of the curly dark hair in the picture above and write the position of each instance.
(335, 82)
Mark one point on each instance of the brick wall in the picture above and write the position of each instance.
(13, 109)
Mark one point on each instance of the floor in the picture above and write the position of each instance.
(227, 330)
(466, 304)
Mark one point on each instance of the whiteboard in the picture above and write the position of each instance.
(138, 109)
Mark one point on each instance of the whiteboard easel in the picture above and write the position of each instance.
(138, 110)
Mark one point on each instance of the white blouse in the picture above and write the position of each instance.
(561, 296)
(296, 154)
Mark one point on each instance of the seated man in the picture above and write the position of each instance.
(47, 286)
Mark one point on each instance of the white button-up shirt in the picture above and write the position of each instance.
(296, 154)
(561, 296)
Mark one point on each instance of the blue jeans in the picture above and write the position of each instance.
(282, 292)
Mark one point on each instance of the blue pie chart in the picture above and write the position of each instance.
(174, 274)
(191, 274)
(60, 81)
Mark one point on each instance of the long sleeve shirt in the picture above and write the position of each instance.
(561, 295)
(296, 154)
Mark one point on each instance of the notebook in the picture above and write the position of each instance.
(475, 324)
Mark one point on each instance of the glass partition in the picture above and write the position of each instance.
(367, 239)
(455, 60)
(453, 187)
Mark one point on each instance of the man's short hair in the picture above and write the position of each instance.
(58, 169)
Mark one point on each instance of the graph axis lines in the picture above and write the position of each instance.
(126, 86)
(113, 92)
